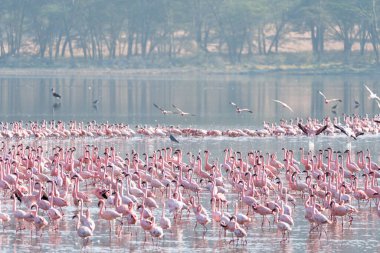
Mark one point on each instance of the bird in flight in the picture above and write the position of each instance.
(283, 104)
(163, 111)
(371, 94)
(182, 113)
(348, 131)
(308, 131)
(239, 110)
(356, 104)
(95, 104)
(378, 103)
(173, 139)
(55, 94)
(329, 100)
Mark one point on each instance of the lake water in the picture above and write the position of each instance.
(130, 100)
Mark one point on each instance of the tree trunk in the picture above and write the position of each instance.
(58, 45)
(130, 44)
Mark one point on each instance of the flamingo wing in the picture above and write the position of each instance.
(323, 95)
(283, 104)
(321, 129)
(302, 128)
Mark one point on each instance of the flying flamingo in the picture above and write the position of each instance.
(180, 112)
(240, 110)
(283, 104)
(329, 100)
(348, 131)
(309, 132)
(372, 95)
(163, 111)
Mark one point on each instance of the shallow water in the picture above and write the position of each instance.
(208, 97)
(130, 99)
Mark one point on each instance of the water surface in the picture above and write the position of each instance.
(130, 100)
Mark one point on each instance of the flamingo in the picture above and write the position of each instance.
(283, 105)
(165, 222)
(83, 232)
(18, 214)
(239, 232)
(156, 231)
(240, 110)
(38, 221)
(201, 218)
(319, 218)
(180, 112)
(5, 218)
(372, 95)
(163, 111)
(108, 215)
(329, 100)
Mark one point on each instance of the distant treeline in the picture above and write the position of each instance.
(96, 30)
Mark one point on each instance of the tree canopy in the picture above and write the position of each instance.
(98, 30)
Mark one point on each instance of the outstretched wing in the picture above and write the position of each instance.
(179, 110)
(232, 103)
(302, 128)
(323, 95)
(341, 129)
(283, 104)
(321, 129)
(358, 134)
(173, 139)
(378, 103)
(159, 108)
(370, 92)
(335, 100)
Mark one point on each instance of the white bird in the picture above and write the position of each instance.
(182, 113)
(348, 131)
(329, 100)
(283, 104)
(371, 94)
(239, 110)
(378, 103)
(163, 111)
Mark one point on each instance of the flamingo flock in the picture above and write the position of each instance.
(153, 192)
(352, 126)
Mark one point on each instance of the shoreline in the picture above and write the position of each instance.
(226, 70)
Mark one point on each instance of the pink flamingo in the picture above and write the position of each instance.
(263, 211)
(201, 218)
(83, 232)
(5, 218)
(165, 222)
(108, 215)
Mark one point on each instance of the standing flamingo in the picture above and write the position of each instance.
(107, 214)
